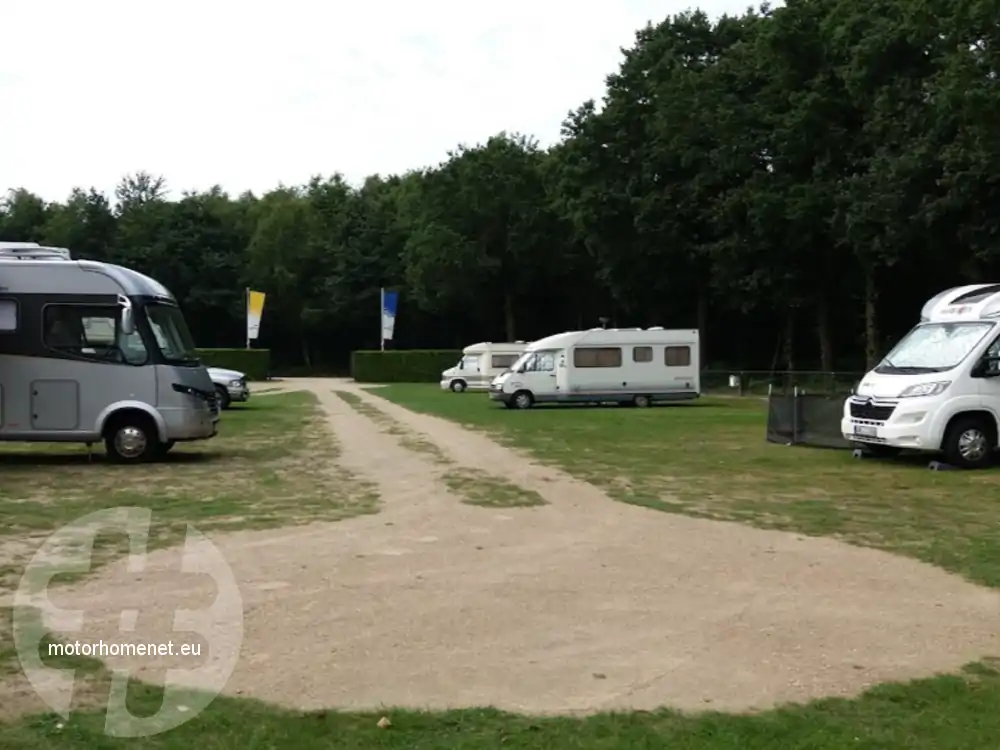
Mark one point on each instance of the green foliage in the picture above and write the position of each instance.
(794, 181)
(256, 363)
(402, 366)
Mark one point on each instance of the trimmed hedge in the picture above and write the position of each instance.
(256, 363)
(402, 365)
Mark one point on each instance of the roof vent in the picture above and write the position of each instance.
(32, 251)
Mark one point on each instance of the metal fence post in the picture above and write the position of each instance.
(795, 415)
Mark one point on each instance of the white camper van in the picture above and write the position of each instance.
(631, 366)
(939, 388)
(480, 363)
(93, 352)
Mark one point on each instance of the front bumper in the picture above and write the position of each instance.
(497, 394)
(892, 423)
(238, 392)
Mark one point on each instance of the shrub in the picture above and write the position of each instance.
(256, 363)
(402, 365)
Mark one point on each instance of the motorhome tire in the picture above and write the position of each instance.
(641, 401)
(458, 386)
(223, 395)
(523, 400)
(970, 442)
(131, 439)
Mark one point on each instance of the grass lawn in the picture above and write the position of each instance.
(710, 458)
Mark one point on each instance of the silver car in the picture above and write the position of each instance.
(230, 385)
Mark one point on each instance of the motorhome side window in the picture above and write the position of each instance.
(642, 354)
(677, 356)
(597, 356)
(90, 332)
(500, 361)
(8, 315)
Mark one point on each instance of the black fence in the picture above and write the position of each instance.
(798, 417)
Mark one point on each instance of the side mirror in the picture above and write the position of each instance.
(127, 318)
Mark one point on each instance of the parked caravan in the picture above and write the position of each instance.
(93, 352)
(481, 363)
(938, 390)
(630, 366)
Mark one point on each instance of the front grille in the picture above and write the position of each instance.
(871, 411)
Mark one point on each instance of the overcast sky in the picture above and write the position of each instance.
(251, 94)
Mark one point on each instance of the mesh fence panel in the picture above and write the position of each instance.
(806, 419)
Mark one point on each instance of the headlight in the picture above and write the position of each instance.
(236, 383)
(925, 389)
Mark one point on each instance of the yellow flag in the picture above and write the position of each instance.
(255, 308)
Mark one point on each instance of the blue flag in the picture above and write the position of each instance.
(389, 301)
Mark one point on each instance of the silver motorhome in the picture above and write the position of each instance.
(93, 352)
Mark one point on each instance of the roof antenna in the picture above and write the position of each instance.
(604, 321)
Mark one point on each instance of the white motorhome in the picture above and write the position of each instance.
(630, 366)
(480, 363)
(938, 390)
(93, 352)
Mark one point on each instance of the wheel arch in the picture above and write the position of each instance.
(120, 408)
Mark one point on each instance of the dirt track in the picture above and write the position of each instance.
(578, 605)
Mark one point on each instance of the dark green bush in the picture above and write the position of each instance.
(256, 363)
(402, 365)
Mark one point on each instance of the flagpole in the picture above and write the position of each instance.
(246, 304)
(381, 313)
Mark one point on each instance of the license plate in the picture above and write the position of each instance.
(866, 430)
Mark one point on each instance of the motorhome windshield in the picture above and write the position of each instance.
(469, 362)
(934, 347)
(172, 335)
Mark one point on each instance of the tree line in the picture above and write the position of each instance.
(794, 182)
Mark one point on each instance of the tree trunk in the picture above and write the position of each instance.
(305, 353)
(789, 351)
(702, 317)
(824, 333)
(871, 319)
(508, 316)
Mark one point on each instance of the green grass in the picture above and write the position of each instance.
(947, 713)
(475, 488)
(710, 459)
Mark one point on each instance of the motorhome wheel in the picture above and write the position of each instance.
(970, 443)
(523, 400)
(131, 440)
(223, 395)
(458, 386)
(641, 401)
